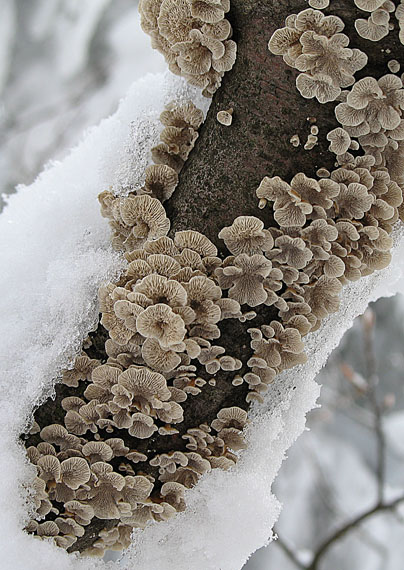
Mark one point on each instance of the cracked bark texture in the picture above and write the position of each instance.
(219, 180)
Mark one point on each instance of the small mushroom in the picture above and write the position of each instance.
(247, 235)
(225, 117)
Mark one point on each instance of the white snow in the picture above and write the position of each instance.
(54, 254)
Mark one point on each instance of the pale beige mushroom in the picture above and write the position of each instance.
(169, 462)
(209, 358)
(368, 5)
(371, 30)
(319, 86)
(340, 140)
(353, 201)
(316, 193)
(272, 190)
(83, 367)
(106, 491)
(83, 420)
(233, 438)
(81, 512)
(196, 241)
(41, 501)
(247, 235)
(225, 117)
(182, 115)
(159, 289)
(163, 264)
(295, 140)
(146, 216)
(281, 347)
(174, 20)
(173, 493)
(244, 279)
(142, 426)
(323, 296)
(70, 527)
(136, 456)
(202, 293)
(319, 4)
(57, 434)
(291, 251)
(137, 490)
(209, 11)
(47, 529)
(234, 417)
(45, 448)
(97, 451)
(103, 378)
(160, 182)
(49, 468)
(74, 472)
(179, 141)
(161, 154)
(146, 389)
(363, 92)
(158, 358)
(160, 322)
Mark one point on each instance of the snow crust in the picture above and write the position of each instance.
(54, 254)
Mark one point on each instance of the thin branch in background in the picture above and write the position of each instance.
(290, 553)
(368, 321)
(351, 525)
(365, 387)
(339, 534)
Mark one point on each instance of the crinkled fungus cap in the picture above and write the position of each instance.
(146, 215)
(340, 141)
(196, 241)
(143, 426)
(246, 235)
(369, 5)
(370, 30)
(244, 279)
(193, 36)
(319, 4)
(160, 182)
(225, 118)
(144, 386)
(160, 322)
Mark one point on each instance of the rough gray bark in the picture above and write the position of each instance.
(219, 180)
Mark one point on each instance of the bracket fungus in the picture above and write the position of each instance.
(313, 44)
(194, 37)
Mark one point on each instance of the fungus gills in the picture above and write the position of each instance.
(194, 37)
(164, 315)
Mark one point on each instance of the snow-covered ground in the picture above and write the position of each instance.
(64, 65)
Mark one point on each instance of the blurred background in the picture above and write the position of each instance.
(64, 65)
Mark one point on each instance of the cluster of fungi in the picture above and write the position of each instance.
(164, 315)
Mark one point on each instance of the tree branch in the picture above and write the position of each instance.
(344, 530)
(219, 180)
(368, 321)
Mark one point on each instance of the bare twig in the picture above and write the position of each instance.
(341, 532)
(368, 320)
(289, 552)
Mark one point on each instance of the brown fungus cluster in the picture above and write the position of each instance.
(181, 123)
(194, 37)
(377, 25)
(314, 44)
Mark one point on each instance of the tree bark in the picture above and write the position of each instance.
(219, 180)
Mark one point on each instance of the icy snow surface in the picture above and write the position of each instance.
(55, 253)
